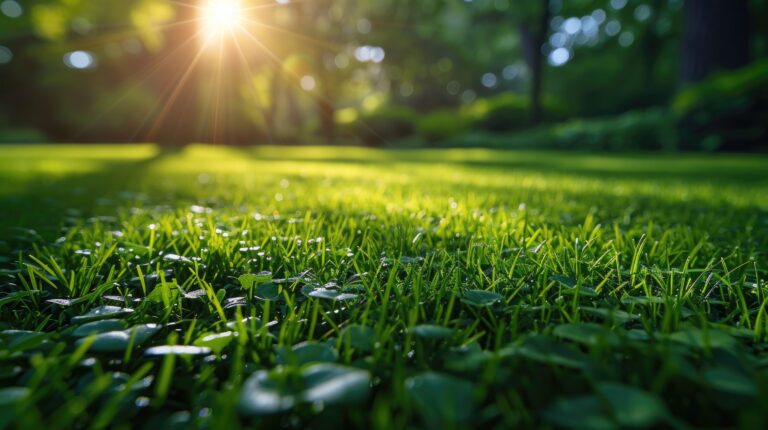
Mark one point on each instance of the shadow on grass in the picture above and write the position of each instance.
(674, 167)
(45, 202)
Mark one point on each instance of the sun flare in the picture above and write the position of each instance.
(220, 17)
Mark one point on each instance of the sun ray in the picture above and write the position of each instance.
(296, 79)
(141, 77)
(217, 103)
(278, 61)
(171, 100)
(313, 41)
(229, 21)
(274, 5)
(249, 71)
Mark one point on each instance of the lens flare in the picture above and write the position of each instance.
(221, 17)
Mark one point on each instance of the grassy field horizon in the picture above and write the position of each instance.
(226, 287)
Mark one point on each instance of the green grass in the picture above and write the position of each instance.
(439, 289)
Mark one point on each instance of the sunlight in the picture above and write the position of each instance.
(220, 17)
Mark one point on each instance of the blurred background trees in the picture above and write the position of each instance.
(590, 74)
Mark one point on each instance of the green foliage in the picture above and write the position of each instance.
(431, 331)
(729, 110)
(443, 401)
(101, 312)
(21, 135)
(216, 342)
(480, 298)
(305, 353)
(723, 87)
(441, 124)
(386, 124)
(638, 130)
(506, 112)
(325, 384)
(119, 340)
(436, 66)
(646, 130)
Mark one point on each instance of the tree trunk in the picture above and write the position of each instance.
(532, 42)
(716, 36)
(325, 108)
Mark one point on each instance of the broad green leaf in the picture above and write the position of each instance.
(638, 335)
(584, 412)
(268, 292)
(118, 341)
(11, 395)
(571, 286)
(170, 290)
(586, 333)
(66, 302)
(247, 322)
(22, 340)
(471, 361)
(549, 351)
(731, 381)
(642, 301)
(441, 400)
(616, 316)
(306, 352)
(97, 327)
(631, 406)
(704, 339)
(100, 313)
(564, 280)
(359, 336)
(176, 350)
(333, 384)
(581, 291)
(216, 342)
(430, 331)
(323, 293)
(267, 392)
(250, 281)
(480, 298)
(175, 258)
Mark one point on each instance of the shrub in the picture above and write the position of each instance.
(22, 135)
(386, 124)
(650, 129)
(441, 124)
(510, 112)
(727, 111)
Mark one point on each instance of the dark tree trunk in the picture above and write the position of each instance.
(532, 41)
(716, 36)
(326, 111)
(272, 110)
(177, 120)
(651, 46)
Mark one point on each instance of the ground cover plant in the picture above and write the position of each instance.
(323, 288)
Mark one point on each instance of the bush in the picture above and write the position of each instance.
(651, 129)
(636, 130)
(386, 124)
(505, 112)
(728, 111)
(510, 112)
(441, 124)
(22, 135)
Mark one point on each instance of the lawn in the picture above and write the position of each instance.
(335, 287)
